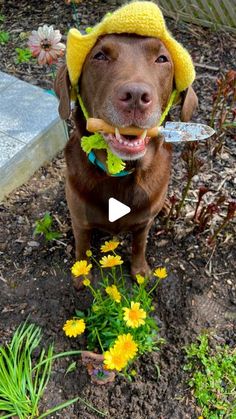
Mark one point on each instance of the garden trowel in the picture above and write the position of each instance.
(172, 132)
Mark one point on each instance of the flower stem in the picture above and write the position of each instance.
(154, 287)
(99, 340)
(185, 192)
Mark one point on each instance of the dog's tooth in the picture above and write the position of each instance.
(143, 136)
(120, 141)
(126, 143)
(117, 134)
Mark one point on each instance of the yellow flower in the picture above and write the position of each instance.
(161, 273)
(109, 261)
(109, 246)
(81, 267)
(140, 279)
(115, 360)
(126, 345)
(86, 282)
(73, 328)
(135, 315)
(114, 293)
(88, 253)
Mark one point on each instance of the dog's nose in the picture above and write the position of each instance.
(135, 96)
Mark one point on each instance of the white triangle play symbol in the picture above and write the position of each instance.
(116, 209)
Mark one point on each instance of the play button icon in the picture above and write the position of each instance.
(116, 209)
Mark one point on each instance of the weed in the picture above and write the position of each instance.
(23, 55)
(213, 378)
(44, 227)
(4, 37)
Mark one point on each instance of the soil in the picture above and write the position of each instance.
(198, 295)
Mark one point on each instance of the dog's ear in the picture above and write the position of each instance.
(189, 104)
(62, 89)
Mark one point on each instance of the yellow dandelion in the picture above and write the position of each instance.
(109, 246)
(135, 315)
(140, 279)
(115, 360)
(110, 261)
(81, 267)
(88, 253)
(126, 345)
(86, 282)
(161, 273)
(73, 328)
(113, 293)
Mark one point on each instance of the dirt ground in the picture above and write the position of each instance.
(199, 293)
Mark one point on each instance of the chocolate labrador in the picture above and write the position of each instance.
(126, 80)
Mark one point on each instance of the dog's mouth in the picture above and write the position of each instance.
(127, 146)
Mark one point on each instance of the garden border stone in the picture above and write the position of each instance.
(31, 131)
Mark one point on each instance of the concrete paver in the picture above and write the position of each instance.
(31, 131)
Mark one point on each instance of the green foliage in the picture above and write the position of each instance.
(21, 384)
(23, 55)
(213, 378)
(44, 227)
(104, 319)
(23, 380)
(114, 299)
(4, 37)
(2, 18)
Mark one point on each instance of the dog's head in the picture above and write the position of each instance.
(127, 79)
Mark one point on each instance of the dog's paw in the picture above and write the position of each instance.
(78, 281)
(143, 269)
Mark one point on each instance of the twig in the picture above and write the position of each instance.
(208, 67)
(59, 242)
(212, 253)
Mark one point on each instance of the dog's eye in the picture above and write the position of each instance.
(100, 56)
(162, 59)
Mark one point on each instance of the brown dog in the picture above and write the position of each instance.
(126, 80)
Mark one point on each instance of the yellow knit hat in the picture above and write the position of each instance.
(139, 17)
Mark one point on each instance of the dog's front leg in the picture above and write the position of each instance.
(82, 242)
(139, 263)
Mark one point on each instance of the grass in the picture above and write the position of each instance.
(213, 378)
(23, 381)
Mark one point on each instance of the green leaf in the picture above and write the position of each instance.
(4, 37)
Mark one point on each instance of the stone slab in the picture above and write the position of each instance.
(32, 156)
(26, 111)
(31, 131)
(6, 80)
(8, 148)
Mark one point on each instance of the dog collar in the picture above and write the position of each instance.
(94, 160)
